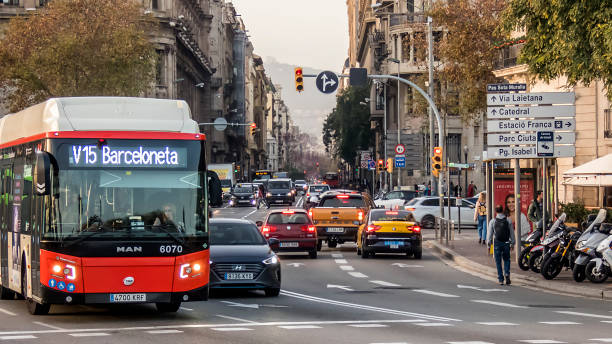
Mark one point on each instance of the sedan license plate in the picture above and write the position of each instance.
(289, 244)
(128, 297)
(239, 276)
(335, 230)
(394, 244)
(279, 201)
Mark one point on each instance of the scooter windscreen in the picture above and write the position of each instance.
(601, 216)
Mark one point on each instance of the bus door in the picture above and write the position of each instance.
(6, 181)
(14, 231)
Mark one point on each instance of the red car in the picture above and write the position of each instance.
(293, 229)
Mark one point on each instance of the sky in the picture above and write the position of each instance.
(311, 33)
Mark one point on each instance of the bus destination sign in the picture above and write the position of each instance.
(133, 157)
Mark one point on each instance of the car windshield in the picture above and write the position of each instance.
(287, 218)
(338, 202)
(235, 234)
(300, 182)
(243, 190)
(321, 188)
(275, 185)
(391, 216)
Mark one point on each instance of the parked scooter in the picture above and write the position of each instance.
(537, 253)
(599, 269)
(588, 242)
(563, 255)
(532, 240)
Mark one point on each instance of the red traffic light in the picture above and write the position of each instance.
(380, 162)
(298, 71)
(253, 125)
(438, 150)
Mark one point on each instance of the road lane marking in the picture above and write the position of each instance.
(299, 327)
(560, 323)
(368, 325)
(341, 261)
(434, 324)
(435, 293)
(469, 343)
(16, 337)
(2, 310)
(346, 268)
(249, 214)
(391, 343)
(357, 274)
(89, 334)
(343, 287)
(164, 331)
(495, 303)
(337, 255)
(541, 341)
(497, 323)
(365, 307)
(186, 309)
(295, 265)
(385, 284)
(402, 265)
(589, 315)
(47, 325)
(603, 340)
(234, 318)
(230, 329)
(607, 321)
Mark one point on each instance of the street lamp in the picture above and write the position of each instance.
(465, 153)
(399, 175)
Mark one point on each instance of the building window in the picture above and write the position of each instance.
(155, 4)
(608, 124)
(161, 68)
(405, 48)
(10, 2)
(420, 47)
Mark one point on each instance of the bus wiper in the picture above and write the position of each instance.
(98, 230)
(170, 233)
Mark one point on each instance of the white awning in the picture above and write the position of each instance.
(594, 173)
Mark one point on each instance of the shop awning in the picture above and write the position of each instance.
(594, 173)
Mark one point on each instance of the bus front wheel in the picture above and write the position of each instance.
(34, 307)
(168, 307)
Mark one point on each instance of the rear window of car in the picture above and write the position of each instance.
(273, 184)
(288, 219)
(413, 202)
(392, 216)
(431, 202)
(322, 188)
(335, 202)
(300, 182)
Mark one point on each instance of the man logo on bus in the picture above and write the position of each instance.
(129, 249)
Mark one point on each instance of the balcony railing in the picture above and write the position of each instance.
(401, 19)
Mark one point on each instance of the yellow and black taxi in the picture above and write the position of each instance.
(389, 231)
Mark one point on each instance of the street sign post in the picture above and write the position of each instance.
(546, 146)
(400, 149)
(371, 165)
(528, 152)
(532, 125)
(504, 139)
(499, 99)
(400, 161)
(501, 112)
(220, 123)
(327, 82)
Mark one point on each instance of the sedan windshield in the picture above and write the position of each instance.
(235, 234)
(275, 185)
(243, 190)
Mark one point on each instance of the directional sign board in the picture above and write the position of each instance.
(506, 87)
(504, 139)
(525, 152)
(532, 125)
(498, 99)
(546, 146)
(531, 112)
(327, 82)
(400, 161)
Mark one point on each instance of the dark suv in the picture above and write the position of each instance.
(279, 191)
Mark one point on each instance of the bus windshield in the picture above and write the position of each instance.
(137, 202)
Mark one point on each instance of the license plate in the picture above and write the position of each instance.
(289, 244)
(279, 201)
(128, 297)
(394, 244)
(239, 276)
(335, 230)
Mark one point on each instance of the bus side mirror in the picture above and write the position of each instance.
(42, 174)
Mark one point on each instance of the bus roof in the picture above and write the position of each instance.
(98, 114)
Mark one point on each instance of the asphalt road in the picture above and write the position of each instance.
(337, 298)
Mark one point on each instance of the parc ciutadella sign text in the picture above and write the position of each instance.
(87, 156)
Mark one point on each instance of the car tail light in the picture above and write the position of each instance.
(310, 214)
(288, 212)
(312, 229)
(410, 208)
(416, 229)
(391, 213)
(342, 196)
(266, 230)
(373, 228)
(360, 216)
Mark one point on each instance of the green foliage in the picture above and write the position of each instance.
(347, 128)
(77, 48)
(570, 38)
(575, 212)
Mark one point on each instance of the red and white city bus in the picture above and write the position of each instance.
(103, 201)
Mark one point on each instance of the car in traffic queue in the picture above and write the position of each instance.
(301, 186)
(338, 216)
(389, 231)
(293, 229)
(243, 195)
(280, 192)
(313, 192)
(425, 210)
(241, 257)
(396, 199)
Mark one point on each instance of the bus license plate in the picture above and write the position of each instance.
(239, 276)
(128, 297)
(394, 244)
(289, 244)
(335, 230)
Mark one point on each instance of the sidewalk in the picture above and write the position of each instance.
(469, 255)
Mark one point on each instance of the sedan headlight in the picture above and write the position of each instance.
(271, 260)
(269, 194)
(289, 193)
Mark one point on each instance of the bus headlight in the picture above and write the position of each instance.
(184, 271)
(57, 269)
(70, 272)
(196, 267)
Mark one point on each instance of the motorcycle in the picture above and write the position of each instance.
(562, 256)
(599, 269)
(588, 242)
(530, 242)
(538, 252)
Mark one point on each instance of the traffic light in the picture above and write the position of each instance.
(381, 165)
(390, 165)
(238, 169)
(436, 161)
(299, 79)
(253, 128)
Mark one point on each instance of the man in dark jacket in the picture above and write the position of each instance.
(535, 211)
(501, 236)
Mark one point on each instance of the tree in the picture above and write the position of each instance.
(565, 38)
(467, 50)
(76, 48)
(347, 128)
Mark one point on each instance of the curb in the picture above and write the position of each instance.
(529, 281)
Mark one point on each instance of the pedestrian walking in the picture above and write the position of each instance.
(428, 189)
(471, 189)
(535, 211)
(452, 189)
(480, 215)
(501, 237)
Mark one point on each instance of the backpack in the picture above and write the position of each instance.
(482, 208)
(502, 230)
